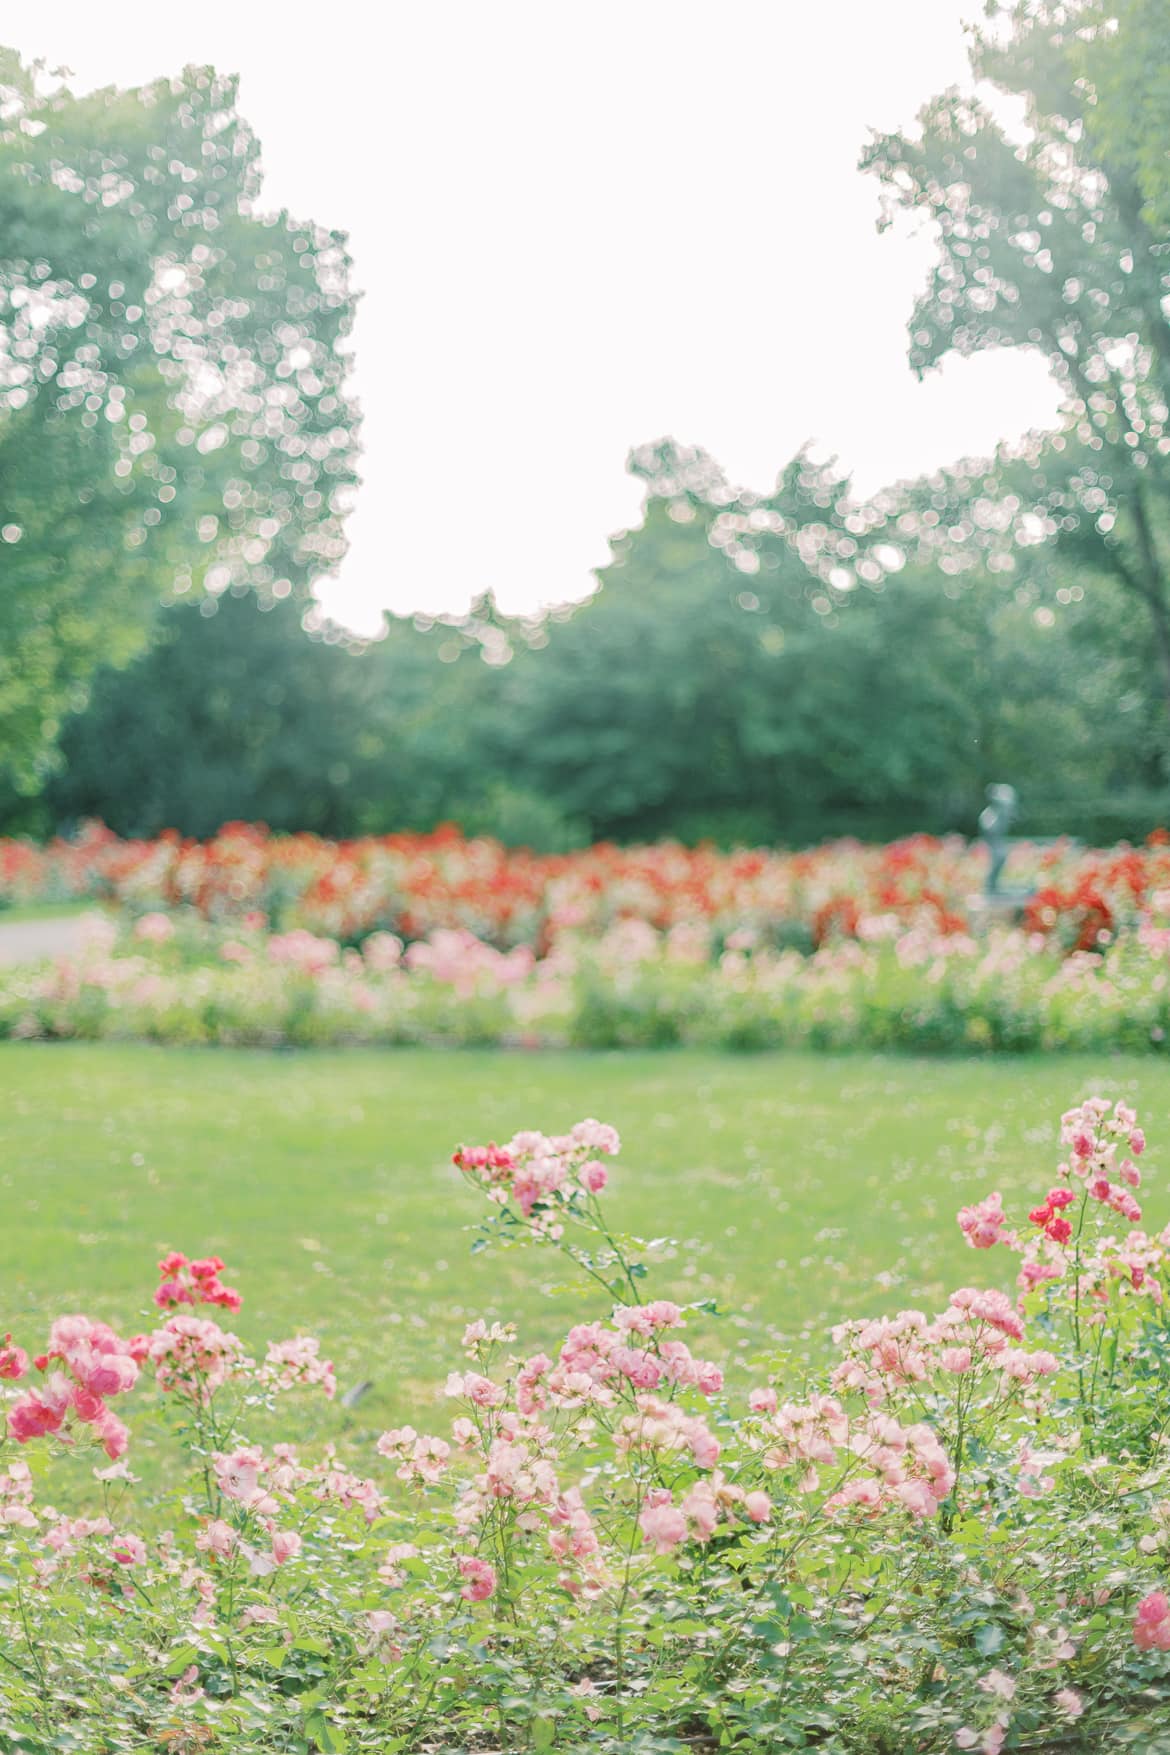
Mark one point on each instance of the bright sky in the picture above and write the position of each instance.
(579, 227)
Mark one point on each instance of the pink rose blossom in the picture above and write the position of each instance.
(982, 1224)
(479, 1579)
(13, 1360)
(662, 1524)
(1151, 1629)
(286, 1545)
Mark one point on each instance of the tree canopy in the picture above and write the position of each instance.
(173, 411)
(1048, 238)
(176, 447)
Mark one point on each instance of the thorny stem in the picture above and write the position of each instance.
(623, 1599)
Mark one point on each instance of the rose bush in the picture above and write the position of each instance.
(413, 885)
(252, 938)
(960, 1538)
(902, 983)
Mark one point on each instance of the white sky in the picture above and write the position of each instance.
(578, 227)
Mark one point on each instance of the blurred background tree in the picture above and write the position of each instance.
(176, 450)
(1050, 236)
(1125, 63)
(173, 416)
(688, 697)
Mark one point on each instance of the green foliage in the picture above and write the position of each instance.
(1127, 69)
(1045, 242)
(172, 409)
(227, 716)
(687, 697)
(779, 666)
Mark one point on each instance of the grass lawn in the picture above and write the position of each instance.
(800, 1189)
(44, 911)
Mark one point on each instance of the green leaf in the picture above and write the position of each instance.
(327, 1737)
(988, 1638)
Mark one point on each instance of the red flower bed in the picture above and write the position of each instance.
(413, 884)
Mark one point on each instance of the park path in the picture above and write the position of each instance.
(29, 941)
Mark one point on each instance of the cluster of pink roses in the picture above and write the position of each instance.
(598, 1370)
(183, 1281)
(92, 1541)
(193, 1356)
(903, 1466)
(518, 1478)
(260, 1485)
(94, 1364)
(984, 1223)
(303, 950)
(297, 1364)
(1096, 1134)
(544, 1177)
(85, 1362)
(977, 1328)
(698, 1514)
(16, 1496)
(596, 1356)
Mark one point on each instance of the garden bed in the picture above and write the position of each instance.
(955, 1536)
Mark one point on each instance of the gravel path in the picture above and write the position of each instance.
(29, 941)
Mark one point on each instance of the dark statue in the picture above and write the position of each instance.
(995, 820)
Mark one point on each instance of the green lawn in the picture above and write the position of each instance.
(44, 911)
(800, 1189)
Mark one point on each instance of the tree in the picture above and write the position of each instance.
(239, 715)
(1127, 69)
(173, 413)
(715, 685)
(1045, 241)
(246, 714)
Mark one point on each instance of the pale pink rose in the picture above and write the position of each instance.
(662, 1524)
(701, 1511)
(286, 1545)
(217, 1537)
(1151, 1629)
(982, 1224)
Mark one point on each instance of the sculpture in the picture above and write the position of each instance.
(995, 819)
